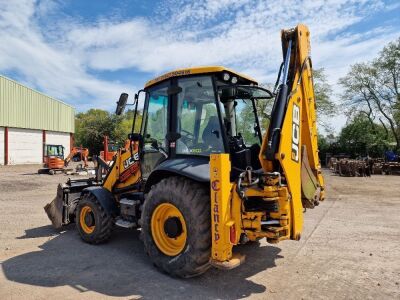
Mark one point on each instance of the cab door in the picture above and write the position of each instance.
(155, 128)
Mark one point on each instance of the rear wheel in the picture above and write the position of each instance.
(176, 227)
(93, 223)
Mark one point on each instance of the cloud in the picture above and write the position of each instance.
(248, 39)
(242, 34)
(45, 66)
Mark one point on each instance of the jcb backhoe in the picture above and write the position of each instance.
(203, 174)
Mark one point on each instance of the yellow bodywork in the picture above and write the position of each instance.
(196, 70)
(221, 208)
(298, 132)
(125, 171)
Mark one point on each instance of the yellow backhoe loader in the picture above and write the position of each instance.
(204, 174)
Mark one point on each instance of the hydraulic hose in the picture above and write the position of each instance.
(278, 112)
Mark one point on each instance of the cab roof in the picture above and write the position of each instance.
(197, 70)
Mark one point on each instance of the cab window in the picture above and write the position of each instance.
(198, 122)
(156, 118)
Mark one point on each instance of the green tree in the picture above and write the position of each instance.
(245, 121)
(324, 103)
(323, 98)
(93, 125)
(360, 137)
(125, 125)
(323, 144)
(372, 89)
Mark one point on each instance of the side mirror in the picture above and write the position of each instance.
(121, 104)
(228, 93)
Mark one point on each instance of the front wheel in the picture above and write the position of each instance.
(93, 223)
(176, 227)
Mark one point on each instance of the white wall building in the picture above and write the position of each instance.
(28, 121)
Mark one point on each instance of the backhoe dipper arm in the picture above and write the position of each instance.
(84, 152)
(291, 142)
(70, 156)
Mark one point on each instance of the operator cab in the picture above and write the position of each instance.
(199, 111)
(242, 120)
(54, 151)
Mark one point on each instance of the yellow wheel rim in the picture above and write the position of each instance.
(168, 228)
(86, 219)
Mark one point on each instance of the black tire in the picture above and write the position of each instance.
(102, 221)
(193, 201)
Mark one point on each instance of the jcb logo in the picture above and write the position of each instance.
(131, 160)
(295, 132)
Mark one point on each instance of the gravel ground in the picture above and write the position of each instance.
(350, 249)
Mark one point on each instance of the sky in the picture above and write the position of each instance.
(86, 52)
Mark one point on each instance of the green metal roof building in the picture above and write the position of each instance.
(28, 120)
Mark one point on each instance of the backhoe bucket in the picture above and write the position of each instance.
(54, 209)
(310, 190)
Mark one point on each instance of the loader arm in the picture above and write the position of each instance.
(124, 174)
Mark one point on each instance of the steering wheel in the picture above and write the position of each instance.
(188, 134)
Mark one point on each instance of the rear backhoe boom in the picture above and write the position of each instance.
(290, 179)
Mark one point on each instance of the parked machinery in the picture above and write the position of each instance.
(54, 158)
(203, 175)
(110, 149)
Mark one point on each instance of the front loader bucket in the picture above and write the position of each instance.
(61, 211)
(54, 209)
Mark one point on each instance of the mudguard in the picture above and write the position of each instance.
(104, 197)
(195, 168)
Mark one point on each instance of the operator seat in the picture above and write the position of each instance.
(212, 135)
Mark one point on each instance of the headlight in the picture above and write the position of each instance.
(226, 76)
(234, 80)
